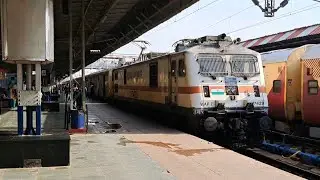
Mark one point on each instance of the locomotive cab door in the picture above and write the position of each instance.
(173, 81)
(115, 82)
(110, 84)
(106, 85)
(103, 86)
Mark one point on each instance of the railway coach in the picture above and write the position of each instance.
(292, 77)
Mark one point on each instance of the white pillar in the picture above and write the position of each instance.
(29, 75)
(19, 77)
(38, 77)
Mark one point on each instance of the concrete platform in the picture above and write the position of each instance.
(144, 150)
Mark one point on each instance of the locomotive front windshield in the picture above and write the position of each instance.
(244, 65)
(238, 65)
(212, 65)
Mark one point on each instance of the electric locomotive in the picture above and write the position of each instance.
(212, 81)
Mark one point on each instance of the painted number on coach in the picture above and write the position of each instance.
(258, 103)
(207, 103)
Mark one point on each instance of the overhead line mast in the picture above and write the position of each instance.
(269, 8)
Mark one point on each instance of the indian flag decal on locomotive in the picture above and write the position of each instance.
(217, 91)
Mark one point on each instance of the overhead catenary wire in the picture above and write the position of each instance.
(229, 17)
(191, 13)
(297, 11)
(201, 8)
(232, 15)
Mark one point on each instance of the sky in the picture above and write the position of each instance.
(210, 17)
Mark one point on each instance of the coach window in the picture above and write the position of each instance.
(276, 86)
(116, 88)
(182, 68)
(125, 76)
(313, 87)
(115, 75)
(173, 68)
(153, 75)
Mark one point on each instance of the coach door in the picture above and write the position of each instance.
(103, 86)
(110, 84)
(115, 82)
(173, 81)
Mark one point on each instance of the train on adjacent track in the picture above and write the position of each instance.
(292, 83)
(214, 83)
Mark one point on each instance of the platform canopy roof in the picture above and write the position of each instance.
(110, 24)
(101, 65)
(288, 39)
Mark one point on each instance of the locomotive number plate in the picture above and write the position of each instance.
(207, 103)
(258, 103)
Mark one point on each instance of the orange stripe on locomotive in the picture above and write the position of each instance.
(188, 90)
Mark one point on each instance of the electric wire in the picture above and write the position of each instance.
(237, 13)
(191, 13)
(297, 11)
(229, 17)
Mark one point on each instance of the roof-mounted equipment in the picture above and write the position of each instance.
(183, 44)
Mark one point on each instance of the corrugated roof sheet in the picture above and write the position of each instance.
(79, 74)
(100, 65)
(109, 24)
(103, 63)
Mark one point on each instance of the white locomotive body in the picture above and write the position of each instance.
(214, 83)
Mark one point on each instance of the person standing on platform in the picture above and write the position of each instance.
(33, 85)
(24, 85)
(91, 90)
(86, 91)
(76, 95)
(67, 92)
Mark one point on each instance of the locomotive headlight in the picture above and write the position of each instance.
(256, 91)
(206, 91)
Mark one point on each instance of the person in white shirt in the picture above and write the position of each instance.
(24, 85)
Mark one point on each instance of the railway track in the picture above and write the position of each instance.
(284, 163)
(295, 154)
(293, 163)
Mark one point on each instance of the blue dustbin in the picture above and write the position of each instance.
(77, 119)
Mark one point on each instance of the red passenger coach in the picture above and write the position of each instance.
(275, 70)
(276, 95)
(310, 73)
(292, 82)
